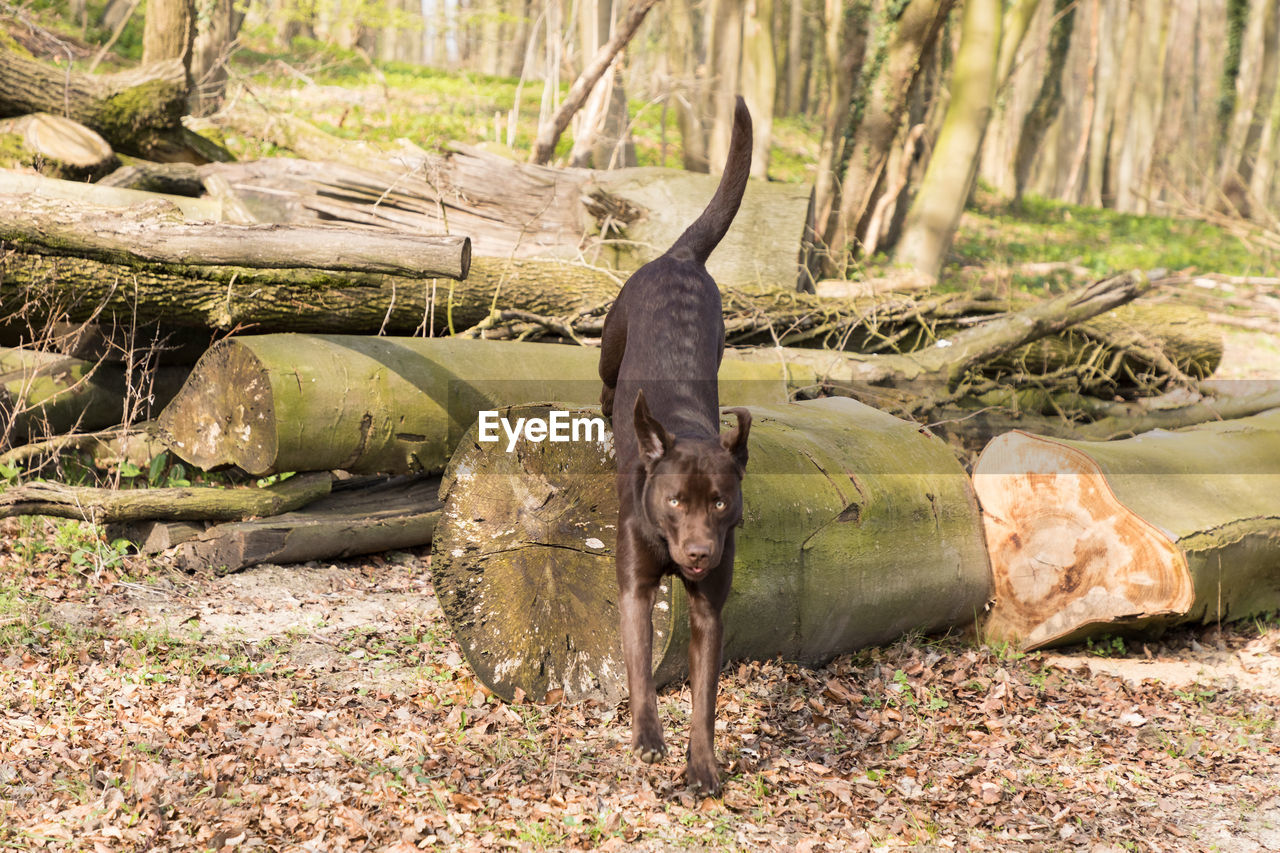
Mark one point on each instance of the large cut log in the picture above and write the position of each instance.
(619, 218)
(48, 394)
(231, 297)
(138, 235)
(138, 112)
(858, 528)
(1163, 529)
(194, 503)
(367, 405)
(399, 513)
(57, 146)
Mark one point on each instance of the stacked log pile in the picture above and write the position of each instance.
(321, 323)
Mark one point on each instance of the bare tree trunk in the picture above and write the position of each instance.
(169, 32)
(1044, 110)
(934, 215)
(795, 64)
(549, 131)
(886, 102)
(1268, 74)
(214, 37)
(759, 80)
(724, 55)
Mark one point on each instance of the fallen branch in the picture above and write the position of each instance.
(194, 503)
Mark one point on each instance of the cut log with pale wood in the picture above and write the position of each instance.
(858, 528)
(1159, 530)
(193, 503)
(56, 146)
(43, 394)
(137, 235)
(379, 405)
(384, 516)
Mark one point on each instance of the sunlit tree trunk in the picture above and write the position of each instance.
(169, 31)
(1044, 109)
(759, 79)
(884, 102)
(216, 31)
(795, 60)
(725, 57)
(935, 213)
(1265, 97)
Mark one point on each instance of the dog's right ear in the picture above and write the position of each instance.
(653, 439)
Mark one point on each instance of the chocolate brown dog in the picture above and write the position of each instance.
(679, 479)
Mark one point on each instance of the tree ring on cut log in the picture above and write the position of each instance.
(518, 558)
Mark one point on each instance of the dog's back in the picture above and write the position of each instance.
(665, 332)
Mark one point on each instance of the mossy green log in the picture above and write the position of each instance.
(381, 405)
(1158, 530)
(858, 527)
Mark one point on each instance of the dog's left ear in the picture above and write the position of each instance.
(735, 440)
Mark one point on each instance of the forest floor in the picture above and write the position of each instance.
(327, 707)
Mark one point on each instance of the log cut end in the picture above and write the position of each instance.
(224, 414)
(1065, 552)
(522, 564)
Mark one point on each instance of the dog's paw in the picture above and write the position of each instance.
(649, 749)
(703, 777)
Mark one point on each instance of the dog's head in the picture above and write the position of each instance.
(692, 489)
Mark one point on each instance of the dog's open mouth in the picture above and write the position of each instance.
(694, 573)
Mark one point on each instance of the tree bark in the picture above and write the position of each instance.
(759, 80)
(886, 102)
(135, 236)
(544, 146)
(137, 112)
(397, 513)
(940, 199)
(1044, 110)
(378, 405)
(724, 65)
(106, 195)
(1159, 530)
(195, 503)
(170, 29)
(43, 394)
(858, 528)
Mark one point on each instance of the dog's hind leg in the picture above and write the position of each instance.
(613, 343)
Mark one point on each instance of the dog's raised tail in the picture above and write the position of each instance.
(709, 229)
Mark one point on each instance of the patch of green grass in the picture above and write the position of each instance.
(994, 232)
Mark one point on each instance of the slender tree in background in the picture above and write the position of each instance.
(725, 18)
(1044, 109)
(216, 30)
(169, 31)
(1264, 97)
(759, 79)
(935, 213)
(873, 127)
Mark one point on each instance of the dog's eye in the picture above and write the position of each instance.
(673, 501)
(720, 504)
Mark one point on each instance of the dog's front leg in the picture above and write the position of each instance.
(638, 578)
(706, 641)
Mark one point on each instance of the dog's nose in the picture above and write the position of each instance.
(697, 553)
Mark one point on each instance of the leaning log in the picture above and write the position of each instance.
(857, 528)
(368, 405)
(139, 236)
(137, 112)
(223, 298)
(192, 209)
(48, 394)
(194, 503)
(1163, 529)
(398, 513)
